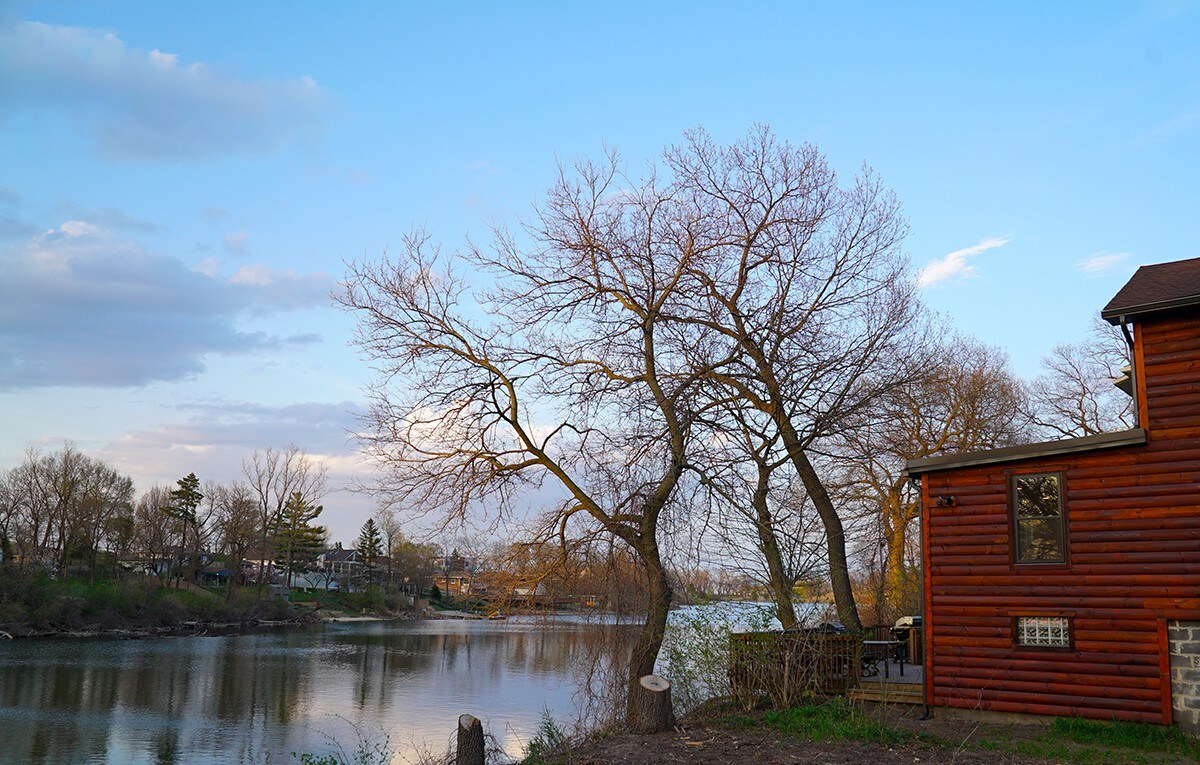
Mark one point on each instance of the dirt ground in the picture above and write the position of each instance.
(699, 742)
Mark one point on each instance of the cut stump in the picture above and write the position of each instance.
(651, 709)
(470, 741)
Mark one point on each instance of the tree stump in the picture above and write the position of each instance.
(470, 741)
(651, 708)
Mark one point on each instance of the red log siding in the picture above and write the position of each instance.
(1133, 560)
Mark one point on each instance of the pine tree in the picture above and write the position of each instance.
(370, 546)
(182, 506)
(370, 542)
(297, 541)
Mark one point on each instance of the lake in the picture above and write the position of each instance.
(258, 698)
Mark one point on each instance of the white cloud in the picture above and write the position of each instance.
(145, 105)
(80, 305)
(75, 228)
(955, 265)
(1100, 262)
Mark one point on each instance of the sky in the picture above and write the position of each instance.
(182, 183)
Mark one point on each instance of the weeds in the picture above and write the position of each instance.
(549, 742)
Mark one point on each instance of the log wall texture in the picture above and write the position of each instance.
(1133, 562)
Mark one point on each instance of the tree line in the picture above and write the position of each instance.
(723, 359)
(67, 511)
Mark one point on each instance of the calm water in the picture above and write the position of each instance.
(258, 698)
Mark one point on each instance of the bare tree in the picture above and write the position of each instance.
(965, 399)
(273, 477)
(236, 521)
(803, 285)
(758, 514)
(1076, 395)
(155, 532)
(388, 521)
(564, 372)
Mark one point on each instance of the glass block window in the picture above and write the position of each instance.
(1044, 631)
(1038, 518)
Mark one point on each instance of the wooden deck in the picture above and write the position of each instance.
(892, 687)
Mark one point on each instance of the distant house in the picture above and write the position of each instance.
(1063, 578)
(341, 564)
(454, 574)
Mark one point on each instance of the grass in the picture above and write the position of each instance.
(835, 721)
(30, 599)
(1065, 740)
(1091, 742)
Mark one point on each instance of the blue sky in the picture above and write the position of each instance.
(180, 183)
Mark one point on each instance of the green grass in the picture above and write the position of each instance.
(1065, 740)
(836, 720)
(1092, 742)
(832, 721)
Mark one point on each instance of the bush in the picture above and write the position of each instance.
(696, 649)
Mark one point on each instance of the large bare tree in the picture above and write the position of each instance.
(564, 371)
(802, 283)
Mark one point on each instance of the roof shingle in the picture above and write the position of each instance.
(1159, 287)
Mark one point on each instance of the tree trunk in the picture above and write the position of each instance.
(470, 741)
(652, 697)
(835, 533)
(639, 716)
(781, 586)
(895, 526)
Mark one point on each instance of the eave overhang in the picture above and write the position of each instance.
(1132, 437)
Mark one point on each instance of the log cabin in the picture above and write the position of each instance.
(1063, 578)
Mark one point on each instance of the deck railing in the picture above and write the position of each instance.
(786, 667)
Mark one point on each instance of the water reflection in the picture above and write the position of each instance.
(250, 698)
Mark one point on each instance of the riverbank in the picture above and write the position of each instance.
(35, 606)
(835, 734)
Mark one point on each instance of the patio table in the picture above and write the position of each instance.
(887, 645)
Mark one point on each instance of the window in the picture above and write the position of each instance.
(1038, 518)
(1044, 631)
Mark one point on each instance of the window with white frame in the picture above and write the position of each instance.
(1044, 631)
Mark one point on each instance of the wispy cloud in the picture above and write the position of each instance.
(236, 242)
(1100, 262)
(147, 105)
(82, 306)
(955, 266)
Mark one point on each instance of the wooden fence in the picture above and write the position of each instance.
(786, 667)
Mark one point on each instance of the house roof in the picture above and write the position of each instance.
(1160, 287)
(1131, 437)
(338, 554)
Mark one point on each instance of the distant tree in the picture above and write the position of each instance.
(297, 541)
(434, 592)
(183, 506)
(389, 527)
(1075, 396)
(58, 508)
(370, 547)
(237, 521)
(966, 398)
(273, 477)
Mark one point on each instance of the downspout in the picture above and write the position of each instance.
(1133, 378)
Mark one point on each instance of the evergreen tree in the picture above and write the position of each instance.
(297, 541)
(182, 505)
(370, 546)
(370, 542)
